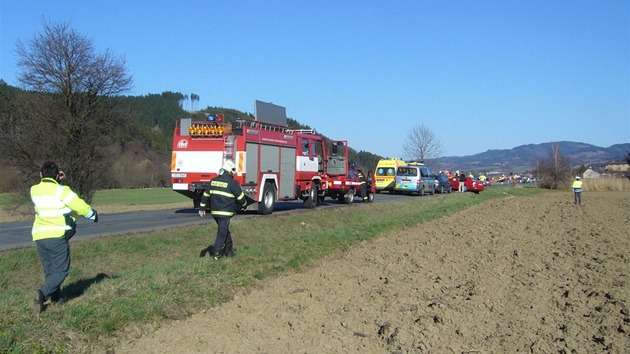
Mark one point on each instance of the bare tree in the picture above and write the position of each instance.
(554, 172)
(422, 144)
(70, 110)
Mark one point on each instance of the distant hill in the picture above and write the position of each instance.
(523, 158)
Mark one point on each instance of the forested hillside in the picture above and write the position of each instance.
(141, 145)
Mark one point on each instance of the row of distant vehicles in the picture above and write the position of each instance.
(275, 162)
(401, 177)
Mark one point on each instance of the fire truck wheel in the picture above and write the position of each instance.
(349, 198)
(370, 197)
(265, 206)
(311, 201)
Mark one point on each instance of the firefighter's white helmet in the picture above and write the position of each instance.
(229, 166)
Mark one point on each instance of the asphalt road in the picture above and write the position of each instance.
(18, 234)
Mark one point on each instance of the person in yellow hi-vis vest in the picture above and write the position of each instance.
(52, 229)
(577, 191)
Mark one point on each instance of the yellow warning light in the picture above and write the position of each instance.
(213, 130)
(220, 130)
(191, 130)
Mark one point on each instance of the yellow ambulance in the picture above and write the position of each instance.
(385, 174)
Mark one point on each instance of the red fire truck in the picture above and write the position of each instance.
(273, 161)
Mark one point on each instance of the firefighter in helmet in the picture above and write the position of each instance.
(222, 194)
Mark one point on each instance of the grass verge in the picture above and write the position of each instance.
(126, 285)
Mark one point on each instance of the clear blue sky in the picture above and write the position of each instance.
(481, 74)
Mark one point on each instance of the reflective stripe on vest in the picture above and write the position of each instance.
(222, 213)
(225, 194)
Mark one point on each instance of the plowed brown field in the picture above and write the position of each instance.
(530, 275)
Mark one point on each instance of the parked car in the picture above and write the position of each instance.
(471, 185)
(442, 184)
(415, 178)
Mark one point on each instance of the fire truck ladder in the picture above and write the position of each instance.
(306, 131)
(228, 153)
(274, 127)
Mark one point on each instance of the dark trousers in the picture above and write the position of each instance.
(54, 254)
(578, 198)
(224, 236)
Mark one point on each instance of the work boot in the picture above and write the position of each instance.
(56, 297)
(218, 253)
(229, 250)
(38, 301)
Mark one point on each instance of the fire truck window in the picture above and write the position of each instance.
(305, 147)
(319, 147)
(314, 147)
(341, 151)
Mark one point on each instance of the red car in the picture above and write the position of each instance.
(471, 185)
(344, 188)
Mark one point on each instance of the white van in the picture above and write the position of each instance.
(415, 178)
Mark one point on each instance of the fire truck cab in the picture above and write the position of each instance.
(343, 176)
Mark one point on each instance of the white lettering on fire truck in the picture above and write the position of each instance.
(274, 141)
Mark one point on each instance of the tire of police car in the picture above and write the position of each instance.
(265, 207)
